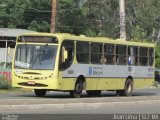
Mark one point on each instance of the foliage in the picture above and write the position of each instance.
(40, 26)
(4, 84)
(70, 18)
(8, 65)
(23, 14)
(89, 17)
(157, 56)
(100, 22)
(143, 19)
(12, 13)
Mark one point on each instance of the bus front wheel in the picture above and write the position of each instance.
(40, 93)
(77, 92)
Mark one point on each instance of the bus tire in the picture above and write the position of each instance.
(40, 92)
(93, 93)
(77, 92)
(119, 92)
(128, 89)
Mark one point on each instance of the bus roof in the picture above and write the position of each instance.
(63, 36)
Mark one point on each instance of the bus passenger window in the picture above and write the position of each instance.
(132, 55)
(69, 47)
(83, 52)
(143, 56)
(96, 53)
(121, 55)
(151, 56)
(103, 59)
(109, 53)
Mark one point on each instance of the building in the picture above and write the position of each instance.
(8, 39)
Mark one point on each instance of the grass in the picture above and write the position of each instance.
(6, 87)
(4, 84)
(14, 90)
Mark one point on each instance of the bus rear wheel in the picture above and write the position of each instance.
(40, 92)
(128, 89)
(77, 92)
(93, 93)
(119, 92)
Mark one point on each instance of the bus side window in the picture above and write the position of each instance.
(109, 53)
(143, 56)
(132, 55)
(83, 52)
(69, 48)
(96, 53)
(121, 54)
(151, 56)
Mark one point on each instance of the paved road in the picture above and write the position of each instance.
(63, 95)
(142, 101)
(133, 108)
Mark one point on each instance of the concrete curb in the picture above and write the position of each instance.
(73, 105)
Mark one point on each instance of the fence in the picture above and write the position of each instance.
(6, 58)
(6, 73)
(5, 64)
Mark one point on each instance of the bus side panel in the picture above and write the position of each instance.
(111, 83)
(91, 83)
(142, 83)
(69, 83)
(66, 83)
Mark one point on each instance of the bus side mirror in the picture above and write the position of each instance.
(64, 55)
(9, 50)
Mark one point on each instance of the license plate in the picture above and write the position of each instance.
(31, 83)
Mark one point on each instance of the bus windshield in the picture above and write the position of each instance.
(36, 57)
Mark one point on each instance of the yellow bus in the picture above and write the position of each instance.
(64, 62)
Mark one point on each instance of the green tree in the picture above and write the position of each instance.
(12, 13)
(38, 15)
(23, 14)
(157, 56)
(70, 18)
(89, 17)
(142, 17)
(101, 17)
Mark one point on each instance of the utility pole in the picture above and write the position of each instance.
(122, 20)
(53, 16)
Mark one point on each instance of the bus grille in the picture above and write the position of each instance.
(34, 78)
(35, 85)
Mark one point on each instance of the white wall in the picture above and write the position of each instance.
(2, 55)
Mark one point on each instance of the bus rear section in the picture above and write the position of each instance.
(128, 66)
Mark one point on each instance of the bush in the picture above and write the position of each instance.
(8, 65)
(4, 84)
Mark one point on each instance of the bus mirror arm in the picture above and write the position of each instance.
(65, 55)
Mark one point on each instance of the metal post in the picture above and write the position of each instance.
(122, 19)
(5, 65)
(53, 16)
